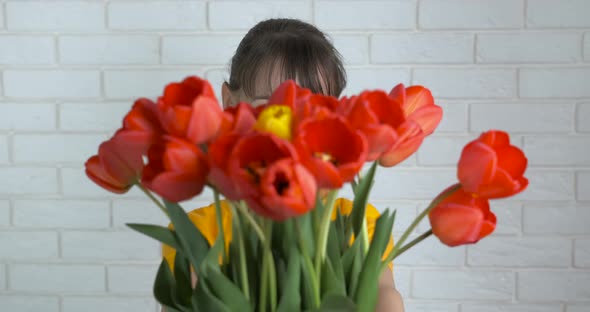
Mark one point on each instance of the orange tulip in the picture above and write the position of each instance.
(331, 150)
(462, 218)
(418, 105)
(177, 169)
(491, 167)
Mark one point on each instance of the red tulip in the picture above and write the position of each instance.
(418, 105)
(119, 164)
(219, 152)
(177, 169)
(266, 173)
(287, 190)
(462, 218)
(189, 109)
(331, 150)
(290, 94)
(143, 116)
(238, 119)
(391, 136)
(491, 167)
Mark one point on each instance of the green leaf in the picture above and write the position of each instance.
(226, 291)
(334, 252)
(366, 292)
(192, 243)
(205, 301)
(164, 286)
(182, 275)
(338, 303)
(352, 262)
(213, 256)
(159, 233)
(331, 284)
(291, 299)
(360, 200)
(309, 284)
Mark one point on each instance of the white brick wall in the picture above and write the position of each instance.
(70, 69)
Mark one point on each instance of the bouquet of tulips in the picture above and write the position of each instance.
(281, 240)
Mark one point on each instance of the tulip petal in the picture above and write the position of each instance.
(495, 138)
(477, 166)
(409, 139)
(428, 118)
(205, 120)
(417, 97)
(456, 225)
(512, 159)
(96, 173)
(176, 186)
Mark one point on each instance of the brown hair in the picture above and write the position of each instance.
(291, 49)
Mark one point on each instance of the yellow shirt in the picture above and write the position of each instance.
(204, 219)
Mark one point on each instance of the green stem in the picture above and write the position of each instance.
(242, 252)
(219, 217)
(153, 198)
(419, 218)
(262, 304)
(323, 231)
(271, 265)
(309, 265)
(244, 210)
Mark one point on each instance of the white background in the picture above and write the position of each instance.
(70, 70)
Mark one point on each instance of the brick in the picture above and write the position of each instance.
(344, 15)
(548, 185)
(1, 17)
(467, 83)
(521, 117)
(353, 48)
(4, 159)
(55, 15)
(467, 14)
(111, 304)
(583, 117)
(185, 15)
(582, 252)
(141, 83)
(3, 279)
(117, 50)
(543, 286)
(137, 211)
(27, 180)
(205, 49)
(57, 277)
(558, 82)
(29, 303)
(65, 148)
(557, 150)
(556, 219)
(509, 216)
(61, 213)
(360, 79)
(92, 117)
(454, 117)
(131, 279)
(587, 47)
(430, 306)
(27, 116)
(472, 284)
(216, 78)
(431, 252)
(577, 307)
(557, 13)
(441, 150)
(119, 245)
(4, 213)
(528, 48)
(583, 185)
(406, 213)
(26, 50)
(422, 48)
(520, 252)
(75, 183)
(226, 15)
(28, 245)
(514, 307)
(52, 83)
(411, 183)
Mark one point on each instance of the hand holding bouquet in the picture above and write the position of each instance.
(282, 240)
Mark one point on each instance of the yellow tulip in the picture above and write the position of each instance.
(276, 119)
